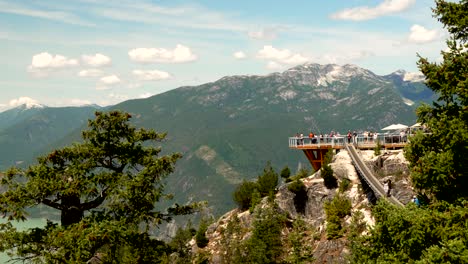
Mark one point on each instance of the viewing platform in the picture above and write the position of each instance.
(316, 147)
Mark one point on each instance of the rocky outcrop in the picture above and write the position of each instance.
(393, 166)
(390, 165)
(324, 250)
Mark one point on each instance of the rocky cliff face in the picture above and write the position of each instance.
(390, 165)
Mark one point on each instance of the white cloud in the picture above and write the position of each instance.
(79, 102)
(283, 56)
(69, 18)
(187, 16)
(341, 57)
(420, 34)
(45, 62)
(239, 55)
(271, 65)
(151, 75)
(96, 60)
(90, 73)
(263, 34)
(110, 80)
(179, 54)
(365, 13)
(29, 102)
(118, 97)
(145, 95)
(413, 77)
(106, 82)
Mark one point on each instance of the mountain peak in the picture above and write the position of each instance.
(408, 76)
(30, 105)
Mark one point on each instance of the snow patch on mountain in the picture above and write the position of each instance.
(288, 94)
(408, 101)
(413, 77)
(410, 76)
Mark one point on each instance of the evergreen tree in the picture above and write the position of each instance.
(438, 160)
(243, 194)
(105, 189)
(329, 179)
(436, 233)
(267, 181)
(285, 173)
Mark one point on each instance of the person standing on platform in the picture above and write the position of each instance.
(349, 136)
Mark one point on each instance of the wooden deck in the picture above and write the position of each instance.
(315, 149)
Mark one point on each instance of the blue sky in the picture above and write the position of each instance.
(61, 53)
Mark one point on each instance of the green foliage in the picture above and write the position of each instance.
(336, 210)
(302, 173)
(285, 172)
(106, 189)
(329, 179)
(243, 194)
(345, 184)
(328, 157)
(438, 160)
(267, 181)
(378, 148)
(231, 241)
(301, 248)
(200, 236)
(436, 234)
(357, 225)
(248, 194)
(179, 244)
(300, 199)
(265, 246)
(256, 199)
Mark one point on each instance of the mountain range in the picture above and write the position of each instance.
(227, 130)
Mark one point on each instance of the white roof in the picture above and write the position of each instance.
(395, 127)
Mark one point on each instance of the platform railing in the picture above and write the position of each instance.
(359, 140)
(295, 142)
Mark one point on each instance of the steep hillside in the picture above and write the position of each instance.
(33, 131)
(411, 87)
(18, 114)
(307, 233)
(228, 129)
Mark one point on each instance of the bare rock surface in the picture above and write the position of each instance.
(390, 165)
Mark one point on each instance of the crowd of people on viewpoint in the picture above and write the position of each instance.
(351, 137)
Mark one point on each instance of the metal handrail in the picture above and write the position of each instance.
(359, 140)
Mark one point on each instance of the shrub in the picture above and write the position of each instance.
(345, 184)
(200, 236)
(300, 199)
(268, 181)
(336, 210)
(334, 227)
(265, 246)
(301, 249)
(285, 173)
(243, 194)
(328, 179)
(302, 173)
(339, 205)
(256, 199)
(328, 157)
(378, 148)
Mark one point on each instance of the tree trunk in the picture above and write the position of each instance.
(71, 213)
